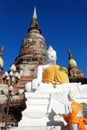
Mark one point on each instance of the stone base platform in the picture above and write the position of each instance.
(40, 128)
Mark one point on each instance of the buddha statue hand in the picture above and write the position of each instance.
(32, 86)
(28, 87)
(35, 84)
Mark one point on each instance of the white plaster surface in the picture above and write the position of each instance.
(46, 102)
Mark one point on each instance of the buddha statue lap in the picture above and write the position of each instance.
(49, 73)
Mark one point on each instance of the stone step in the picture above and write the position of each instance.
(36, 95)
(36, 109)
(28, 78)
(38, 101)
(38, 128)
(27, 128)
(34, 121)
(19, 86)
(21, 82)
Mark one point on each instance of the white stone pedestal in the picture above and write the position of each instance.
(45, 103)
(36, 112)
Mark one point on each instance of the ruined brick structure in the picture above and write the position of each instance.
(32, 53)
(75, 75)
(33, 50)
(16, 106)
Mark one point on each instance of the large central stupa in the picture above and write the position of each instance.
(32, 51)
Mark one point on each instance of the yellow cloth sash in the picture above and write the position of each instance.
(55, 74)
(72, 117)
(76, 120)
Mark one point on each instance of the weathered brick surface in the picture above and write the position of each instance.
(16, 106)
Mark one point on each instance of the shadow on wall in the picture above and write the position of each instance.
(84, 110)
(53, 124)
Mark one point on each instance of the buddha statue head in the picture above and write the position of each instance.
(51, 55)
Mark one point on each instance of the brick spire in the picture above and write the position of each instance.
(35, 14)
(70, 54)
(34, 23)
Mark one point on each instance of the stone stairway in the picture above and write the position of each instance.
(21, 83)
(40, 128)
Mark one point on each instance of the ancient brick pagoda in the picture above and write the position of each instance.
(33, 50)
(32, 53)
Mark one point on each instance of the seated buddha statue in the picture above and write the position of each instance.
(51, 72)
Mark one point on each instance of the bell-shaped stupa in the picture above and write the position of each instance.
(32, 51)
(75, 75)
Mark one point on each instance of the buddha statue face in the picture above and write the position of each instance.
(51, 55)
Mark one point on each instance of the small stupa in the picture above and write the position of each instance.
(75, 75)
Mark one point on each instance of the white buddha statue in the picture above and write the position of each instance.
(49, 73)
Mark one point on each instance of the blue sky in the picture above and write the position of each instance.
(63, 24)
